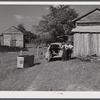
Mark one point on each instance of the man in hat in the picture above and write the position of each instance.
(68, 48)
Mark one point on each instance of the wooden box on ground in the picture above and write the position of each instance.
(25, 61)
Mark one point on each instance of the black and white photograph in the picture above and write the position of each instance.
(50, 47)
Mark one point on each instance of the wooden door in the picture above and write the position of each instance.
(13, 40)
(13, 43)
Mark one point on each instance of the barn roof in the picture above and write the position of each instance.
(93, 16)
(13, 30)
(86, 29)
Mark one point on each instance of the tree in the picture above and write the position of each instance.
(22, 28)
(58, 22)
(28, 34)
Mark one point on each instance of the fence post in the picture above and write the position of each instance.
(21, 53)
(37, 51)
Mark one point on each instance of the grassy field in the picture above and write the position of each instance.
(72, 75)
(14, 79)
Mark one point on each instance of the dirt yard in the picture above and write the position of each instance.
(57, 75)
(73, 75)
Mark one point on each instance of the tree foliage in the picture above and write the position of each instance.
(58, 22)
(28, 34)
(22, 28)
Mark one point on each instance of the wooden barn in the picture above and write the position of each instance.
(87, 34)
(12, 37)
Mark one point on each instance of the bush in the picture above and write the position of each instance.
(11, 49)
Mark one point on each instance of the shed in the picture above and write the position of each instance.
(12, 37)
(87, 34)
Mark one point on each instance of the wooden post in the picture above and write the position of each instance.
(43, 54)
(21, 53)
(37, 51)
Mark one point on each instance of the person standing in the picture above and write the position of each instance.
(68, 51)
(64, 53)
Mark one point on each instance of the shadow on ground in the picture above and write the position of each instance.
(60, 59)
(37, 64)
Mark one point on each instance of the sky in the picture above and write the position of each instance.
(12, 15)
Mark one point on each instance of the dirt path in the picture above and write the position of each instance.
(73, 75)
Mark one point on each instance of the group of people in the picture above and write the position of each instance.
(67, 50)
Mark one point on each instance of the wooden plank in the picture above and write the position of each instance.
(75, 44)
(94, 43)
(91, 45)
(19, 41)
(78, 44)
(86, 44)
(82, 45)
(2, 40)
(7, 39)
(98, 40)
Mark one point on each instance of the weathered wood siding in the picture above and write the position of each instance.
(12, 37)
(76, 44)
(2, 40)
(86, 44)
(7, 39)
(19, 41)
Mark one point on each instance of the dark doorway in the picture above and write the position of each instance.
(13, 43)
(13, 40)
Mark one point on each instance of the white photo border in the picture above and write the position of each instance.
(47, 94)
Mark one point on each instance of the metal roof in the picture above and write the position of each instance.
(86, 29)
